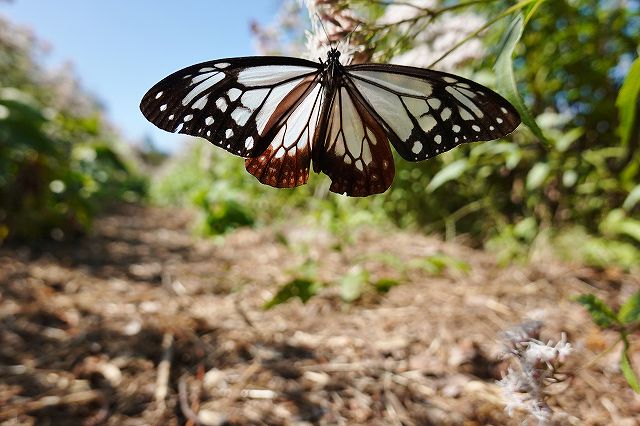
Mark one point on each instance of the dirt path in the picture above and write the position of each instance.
(85, 327)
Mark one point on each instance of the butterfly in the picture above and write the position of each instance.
(283, 114)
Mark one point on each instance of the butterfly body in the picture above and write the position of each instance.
(284, 114)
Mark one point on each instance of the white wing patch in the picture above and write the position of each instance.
(389, 106)
(300, 127)
(204, 82)
(276, 96)
(271, 74)
(397, 82)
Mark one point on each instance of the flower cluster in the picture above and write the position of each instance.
(435, 36)
(331, 25)
(534, 365)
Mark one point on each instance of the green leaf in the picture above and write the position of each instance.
(564, 142)
(438, 263)
(627, 103)
(506, 79)
(302, 288)
(352, 285)
(383, 285)
(601, 314)
(451, 172)
(627, 369)
(537, 175)
(630, 311)
(617, 223)
(632, 199)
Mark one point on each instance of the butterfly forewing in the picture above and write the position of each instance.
(234, 103)
(426, 113)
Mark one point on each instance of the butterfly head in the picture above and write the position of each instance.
(333, 55)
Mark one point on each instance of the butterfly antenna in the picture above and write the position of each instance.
(324, 29)
(348, 37)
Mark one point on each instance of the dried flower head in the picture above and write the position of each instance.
(534, 366)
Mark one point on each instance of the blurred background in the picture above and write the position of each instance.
(130, 246)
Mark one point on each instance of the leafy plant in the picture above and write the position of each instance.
(624, 322)
(59, 162)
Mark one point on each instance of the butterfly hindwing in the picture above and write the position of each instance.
(355, 152)
(426, 112)
(234, 103)
(286, 160)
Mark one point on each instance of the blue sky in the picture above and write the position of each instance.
(120, 48)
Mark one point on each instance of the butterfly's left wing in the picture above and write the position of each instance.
(425, 113)
(238, 104)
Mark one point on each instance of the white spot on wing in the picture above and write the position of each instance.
(200, 103)
(427, 122)
(160, 94)
(248, 143)
(456, 128)
(499, 120)
(228, 133)
(434, 103)
(163, 107)
(234, 93)
(241, 115)
(438, 139)
(416, 107)
(208, 121)
(222, 65)
(187, 117)
(221, 103)
(476, 127)
(445, 114)
(417, 147)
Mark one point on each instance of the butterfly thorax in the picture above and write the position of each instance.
(333, 67)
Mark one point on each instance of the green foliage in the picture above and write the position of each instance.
(601, 314)
(505, 76)
(630, 311)
(353, 284)
(567, 78)
(627, 103)
(58, 162)
(624, 322)
(302, 288)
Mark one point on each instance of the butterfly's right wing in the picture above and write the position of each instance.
(238, 104)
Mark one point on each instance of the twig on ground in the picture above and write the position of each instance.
(164, 370)
(14, 410)
(183, 398)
